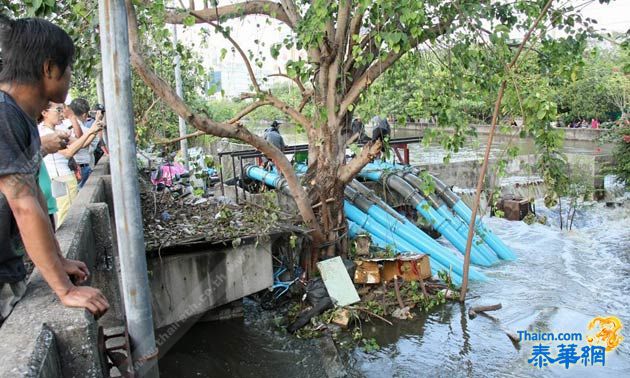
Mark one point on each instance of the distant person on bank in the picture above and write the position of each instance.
(36, 70)
(358, 129)
(594, 123)
(273, 136)
(381, 130)
(51, 143)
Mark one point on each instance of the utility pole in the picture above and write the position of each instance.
(99, 87)
(183, 144)
(126, 196)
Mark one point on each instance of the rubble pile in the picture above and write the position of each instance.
(170, 219)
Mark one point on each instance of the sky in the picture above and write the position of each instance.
(611, 17)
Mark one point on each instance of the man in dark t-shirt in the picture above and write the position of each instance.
(19, 148)
(36, 69)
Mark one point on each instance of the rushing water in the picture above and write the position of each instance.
(561, 280)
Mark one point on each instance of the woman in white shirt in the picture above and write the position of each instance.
(64, 183)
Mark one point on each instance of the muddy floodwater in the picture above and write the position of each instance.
(561, 280)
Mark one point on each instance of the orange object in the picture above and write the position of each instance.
(408, 267)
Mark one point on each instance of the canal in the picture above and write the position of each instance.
(561, 280)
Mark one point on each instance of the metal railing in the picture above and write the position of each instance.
(237, 158)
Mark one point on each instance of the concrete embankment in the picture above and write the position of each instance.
(589, 135)
(42, 338)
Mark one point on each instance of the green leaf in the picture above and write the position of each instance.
(275, 50)
(189, 20)
(502, 29)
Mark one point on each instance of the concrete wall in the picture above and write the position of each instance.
(465, 174)
(569, 134)
(43, 338)
(188, 285)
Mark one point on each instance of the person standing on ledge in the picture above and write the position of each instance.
(273, 136)
(35, 70)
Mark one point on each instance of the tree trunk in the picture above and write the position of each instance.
(560, 210)
(328, 190)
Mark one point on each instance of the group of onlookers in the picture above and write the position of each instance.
(583, 124)
(69, 168)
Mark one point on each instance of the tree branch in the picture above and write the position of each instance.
(378, 67)
(292, 11)
(188, 136)
(306, 96)
(484, 166)
(253, 7)
(288, 110)
(294, 79)
(227, 36)
(248, 109)
(369, 151)
(355, 29)
(343, 18)
(251, 107)
(368, 45)
(202, 123)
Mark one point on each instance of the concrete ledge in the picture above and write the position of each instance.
(569, 134)
(41, 337)
(45, 361)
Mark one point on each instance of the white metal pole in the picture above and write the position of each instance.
(126, 196)
(183, 144)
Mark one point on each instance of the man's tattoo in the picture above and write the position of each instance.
(20, 186)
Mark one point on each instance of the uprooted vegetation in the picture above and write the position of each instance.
(385, 302)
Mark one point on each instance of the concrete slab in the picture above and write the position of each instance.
(187, 285)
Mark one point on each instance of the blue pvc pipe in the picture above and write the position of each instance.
(438, 252)
(442, 257)
(464, 212)
(502, 250)
(354, 230)
(270, 178)
(423, 240)
(437, 221)
(300, 168)
(462, 229)
(362, 220)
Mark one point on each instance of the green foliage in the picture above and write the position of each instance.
(370, 345)
(287, 93)
(620, 136)
(597, 87)
(446, 277)
(80, 19)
